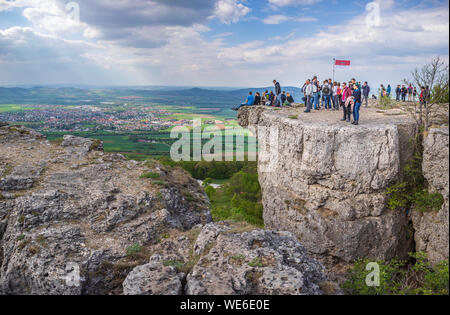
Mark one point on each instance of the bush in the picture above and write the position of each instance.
(425, 201)
(400, 277)
(134, 249)
(412, 191)
(239, 199)
(210, 191)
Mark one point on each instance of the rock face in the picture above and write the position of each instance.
(232, 262)
(71, 209)
(325, 181)
(154, 279)
(432, 228)
(74, 220)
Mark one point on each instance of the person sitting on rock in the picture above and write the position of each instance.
(257, 99)
(249, 102)
(289, 100)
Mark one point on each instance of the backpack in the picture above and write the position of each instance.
(326, 90)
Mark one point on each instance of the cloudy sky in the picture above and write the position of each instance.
(216, 42)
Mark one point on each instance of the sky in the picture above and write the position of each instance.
(235, 43)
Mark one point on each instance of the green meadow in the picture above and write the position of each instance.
(6, 108)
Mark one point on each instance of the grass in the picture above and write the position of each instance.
(256, 262)
(161, 183)
(150, 175)
(134, 249)
(7, 108)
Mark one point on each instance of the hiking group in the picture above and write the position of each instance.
(406, 93)
(329, 95)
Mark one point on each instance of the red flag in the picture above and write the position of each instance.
(343, 63)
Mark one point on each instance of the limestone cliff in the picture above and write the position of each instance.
(74, 220)
(431, 229)
(325, 181)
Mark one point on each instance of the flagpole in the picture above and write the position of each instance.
(334, 68)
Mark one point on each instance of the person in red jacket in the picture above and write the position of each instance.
(346, 93)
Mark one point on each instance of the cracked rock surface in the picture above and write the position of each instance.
(325, 180)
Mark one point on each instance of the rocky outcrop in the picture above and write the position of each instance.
(74, 220)
(72, 210)
(154, 278)
(232, 262)
(431, 229)
(325, 181)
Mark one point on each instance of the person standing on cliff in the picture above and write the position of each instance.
(327, 90)
(365, 93)
(357, 106)
(404, 93)
(316, 88)
(346, 94)
(398, 92)
(309, 94)
(278, 91)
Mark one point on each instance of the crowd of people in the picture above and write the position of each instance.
(329, 95)
(333, 96)
(406, 93)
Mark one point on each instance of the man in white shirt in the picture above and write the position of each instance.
(335, 96)
(309, 94)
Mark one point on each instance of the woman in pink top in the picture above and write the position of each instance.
(346, 93)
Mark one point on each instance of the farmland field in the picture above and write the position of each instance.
(5, 108)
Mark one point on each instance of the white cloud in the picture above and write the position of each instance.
(230, 11)
(283, 3)
(278, 19)
(167, 53)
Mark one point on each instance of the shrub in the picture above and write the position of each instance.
(239, 199)
(412, 191)
(425, 201)
(398, 277)
(189, 197)
(210, 191)
(134, 249)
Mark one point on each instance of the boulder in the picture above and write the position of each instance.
(153, 279)
(230, 259)
(255, 263)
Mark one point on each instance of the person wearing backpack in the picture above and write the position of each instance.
(326, 92)
(398, 92)
(410, 93)
(404, 93)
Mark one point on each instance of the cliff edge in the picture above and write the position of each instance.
(75, 220)
(325, 180)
